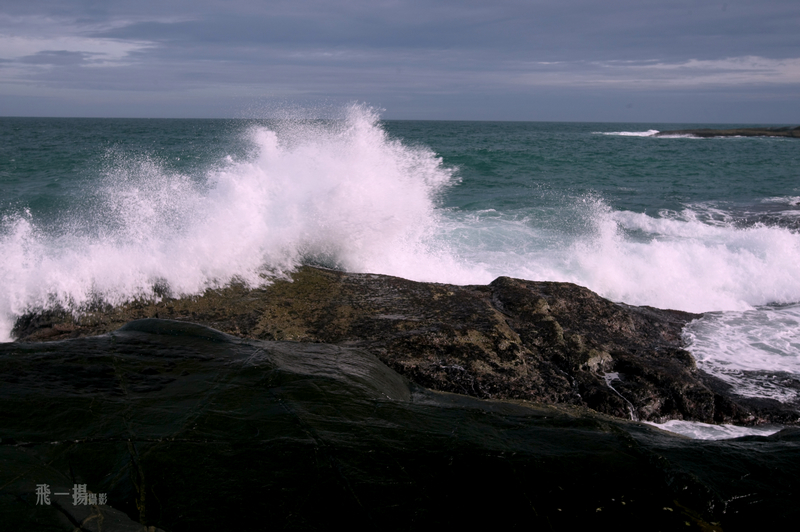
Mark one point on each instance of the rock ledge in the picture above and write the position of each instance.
(546, 342)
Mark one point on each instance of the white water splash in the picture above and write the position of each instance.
(682, 261)
(336, 193)
(648, 133)
(705, 431)
(756, 351)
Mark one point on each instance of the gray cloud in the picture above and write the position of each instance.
(621, 29)
(56, 57)
(392, 52)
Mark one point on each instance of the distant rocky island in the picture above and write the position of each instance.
(793, 132)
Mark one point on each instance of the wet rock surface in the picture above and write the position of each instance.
(555, 343)
(187, 428)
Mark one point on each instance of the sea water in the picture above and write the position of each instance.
(115, 209)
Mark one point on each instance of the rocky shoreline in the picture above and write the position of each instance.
(312, 403)
(790, 132)
(546, 342)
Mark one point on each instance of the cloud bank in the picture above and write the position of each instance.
(735, 61)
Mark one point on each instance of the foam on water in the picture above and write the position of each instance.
(682, 261)
(343, 194)
(783, 200)
(648, 133)
(705, 431)
(336, 193)
(756, 351)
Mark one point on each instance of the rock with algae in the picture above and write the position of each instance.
(556, 343)
(186, 428)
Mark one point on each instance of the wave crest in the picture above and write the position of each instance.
(337, 193)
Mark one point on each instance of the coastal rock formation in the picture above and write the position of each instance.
(183, 428)
(736, 132)
(554, 343)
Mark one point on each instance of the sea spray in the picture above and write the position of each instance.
(690, 265)
(336, 193)
(671, 260)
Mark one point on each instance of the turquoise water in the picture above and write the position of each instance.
(109, 208)
(519, 165)
(501, 165)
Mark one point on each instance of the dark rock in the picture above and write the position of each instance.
(554, 343)
(737, 132)
(233, 434)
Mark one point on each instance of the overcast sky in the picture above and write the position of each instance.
(576, 60)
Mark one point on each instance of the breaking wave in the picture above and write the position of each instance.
(336, 193)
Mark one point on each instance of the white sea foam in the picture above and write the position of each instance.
(705, 431)
(648, 133)
(784, 200)
(338, 193)
(679, 261)
(697, 266)
(756, 351)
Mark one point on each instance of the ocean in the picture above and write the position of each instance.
(116, 209)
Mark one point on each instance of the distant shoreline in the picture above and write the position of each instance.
(736, 132)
